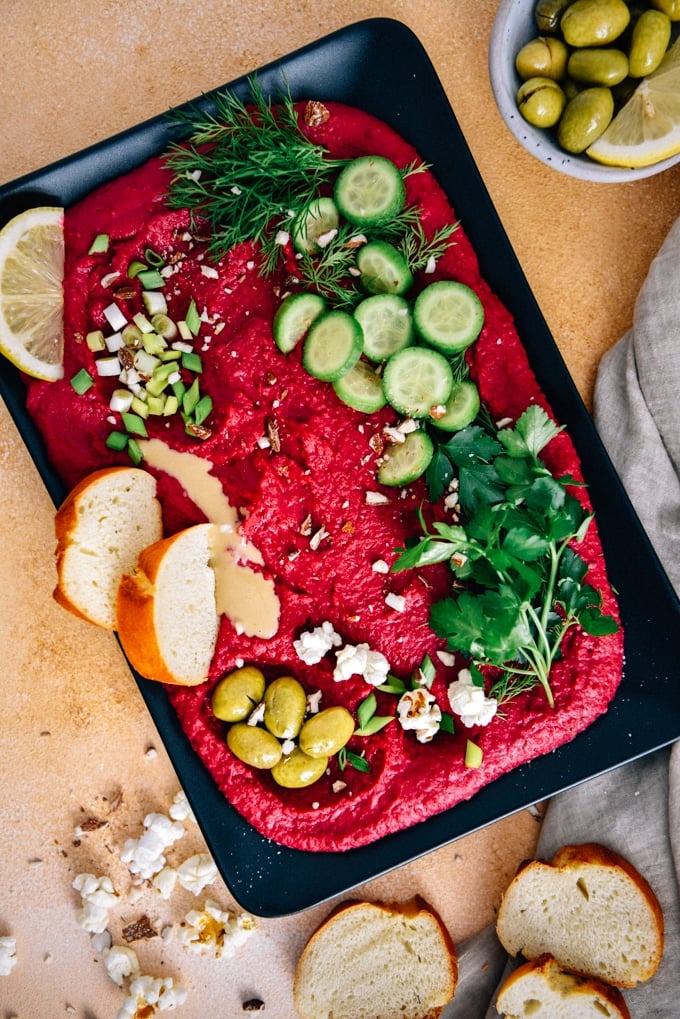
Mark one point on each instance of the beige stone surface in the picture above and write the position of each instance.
(75, 737)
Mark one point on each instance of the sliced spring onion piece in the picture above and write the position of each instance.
(117, 441)
(154, 302)
(203, 409)
(82, 381)
(135, 268)
(192, 318)
(115, 317)
(473, 755)
(108, 366)
(134, 452)
(142, 323)
(134, 424)
(191, 398)
(153, 258)
(100, 243)
(150, 279)
(121, 400)
(192, 362)
(95, 341)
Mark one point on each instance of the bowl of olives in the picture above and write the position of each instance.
(562, 70)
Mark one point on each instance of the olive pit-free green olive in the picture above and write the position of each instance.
(649, 42)
(254, 745)
(326, 733)
(593, 66)
(544, 57)
(669, 7)
(594, 22)
(297, 769)
(540, 101)
(285, 704)
(547, 14)
(237, 694)
(584, 119)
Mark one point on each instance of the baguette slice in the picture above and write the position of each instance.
(590, 909)
(542, 988)
(372, 961)
(101, 527)
(167, 619)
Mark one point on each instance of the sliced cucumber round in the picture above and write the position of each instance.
(293, 318)
(462, 407)
(448, 315)
(383, 268)
(361, 388)
(406, 461)
(387, 324)
(417, 379)
(320, 217)
(370, 191)
(333, 345)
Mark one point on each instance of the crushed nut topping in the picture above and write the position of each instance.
(376, 443)
(124, 293)
(316, 113)
(139, 930)
(273, 435)
(198, 431)
(306, 526)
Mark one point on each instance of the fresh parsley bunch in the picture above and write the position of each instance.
(519, 583)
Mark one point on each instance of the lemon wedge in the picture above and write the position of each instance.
(647, 129)
(31, 294)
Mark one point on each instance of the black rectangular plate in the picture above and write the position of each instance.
(380, 66)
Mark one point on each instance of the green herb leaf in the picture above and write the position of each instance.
(356, 761)
(374, 724)
(366, 709)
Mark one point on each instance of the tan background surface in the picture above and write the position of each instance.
(74, 733)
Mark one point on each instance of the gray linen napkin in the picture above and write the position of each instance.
(635, 809)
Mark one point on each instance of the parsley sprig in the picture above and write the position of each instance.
(519, 583)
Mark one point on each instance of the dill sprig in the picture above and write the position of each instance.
(418, 250)
(244, 168)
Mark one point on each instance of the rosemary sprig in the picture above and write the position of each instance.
(243, 169)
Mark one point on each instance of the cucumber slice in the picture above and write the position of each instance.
(462, 407)
(333, 345)
(387, 324)
(384, 270)
(361, 388)
(293, 318)
(448, 316)
(370, 191)
(311, 224)
(406, 461)
(416, 379)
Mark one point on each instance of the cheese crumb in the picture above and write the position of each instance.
(395, 601)
(380, 566)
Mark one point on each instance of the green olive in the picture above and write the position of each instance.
(324, 734)
(297, 770)
(669, 7)
(547, 14)
(592, 66)
(254, 745)
(649, 42)
(285, 704)
(543, 58)
(584, 119)
(237, 694)
(594, 22)
(540, 101)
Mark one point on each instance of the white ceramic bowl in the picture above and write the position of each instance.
(513, 26)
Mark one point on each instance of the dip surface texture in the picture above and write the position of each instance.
(298, 466)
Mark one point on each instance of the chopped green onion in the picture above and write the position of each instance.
(473, 755)
(156, 404)
(100, 243)
(184, 331)
(179, 389)
(117, 440)
(170, 355)
(191, 398)
(164, 325)
(142, 323)
(135, 424)
(192, 362)
(153, 258)
(95, 341)
(446, 723)
(203, 409)
(135, 268)
(150, 279)
(134, 452)
(171, 405)
(82, 381)
(153, 343)
(192, 318)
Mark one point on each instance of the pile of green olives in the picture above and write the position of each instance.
(316, 738)
(587, 61)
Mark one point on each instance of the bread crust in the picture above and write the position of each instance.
(545, 967)
(136, 619)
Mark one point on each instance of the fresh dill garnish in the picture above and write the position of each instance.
(418, 250)
(244, 168)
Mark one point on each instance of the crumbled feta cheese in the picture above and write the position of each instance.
(394, 435)
(149, 995)
(380, 566)
(408, 425)
(312, 645)
(98, 896)
(282, 237)
(376, 499)
(287, 747)
(418, 710)
(470, 702)
(395, 601)
(359, 660)
(8, 954)
(257, 714)
(196, 872)
(314, 702)
(431, 265)
(215, 929)
(446, 658)
(324, 239)
(209, 272)
(120, 962)
(144, 856)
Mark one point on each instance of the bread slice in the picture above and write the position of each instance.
(373, 961)
(544, 988)
(167, 618)
(590, 909)
(101, 527)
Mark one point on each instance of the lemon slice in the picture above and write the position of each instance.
(31, 295)
(647, 129)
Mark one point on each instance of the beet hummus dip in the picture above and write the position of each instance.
(299, 467)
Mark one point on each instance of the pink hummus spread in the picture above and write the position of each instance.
(304, 502)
